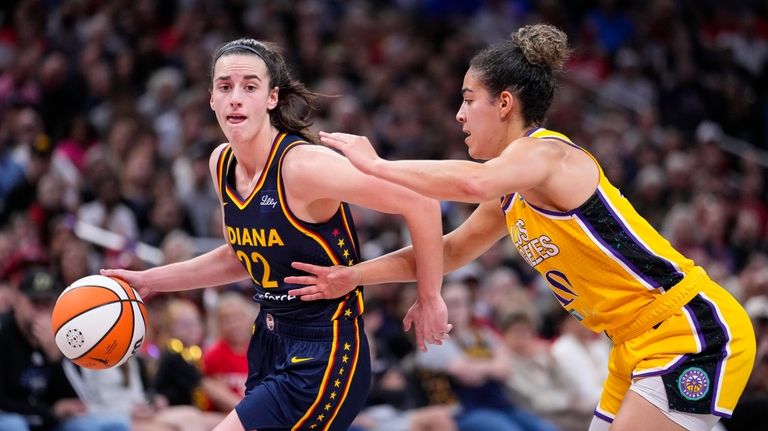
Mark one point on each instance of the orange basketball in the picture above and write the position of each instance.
(99, 322)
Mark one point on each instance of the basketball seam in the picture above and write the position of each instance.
(83, 311)
(92, 308)
(108, 330)
(129, 346)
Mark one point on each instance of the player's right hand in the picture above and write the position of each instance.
(323, 282)
(133, 278)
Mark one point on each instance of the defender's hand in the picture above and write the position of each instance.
(357, 149)
(324, 282)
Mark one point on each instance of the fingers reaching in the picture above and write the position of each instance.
(300, 279)
(312, 297)
(331, 141)
(308, 267)
(420, 338)
(407, 322)
(308, 293)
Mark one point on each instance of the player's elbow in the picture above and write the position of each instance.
(475, 188)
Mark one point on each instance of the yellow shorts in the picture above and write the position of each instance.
(704, 353)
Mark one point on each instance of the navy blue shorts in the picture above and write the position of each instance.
(305, 376)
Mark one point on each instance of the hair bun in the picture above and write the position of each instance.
(542, 45)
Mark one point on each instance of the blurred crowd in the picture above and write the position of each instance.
(106, 129)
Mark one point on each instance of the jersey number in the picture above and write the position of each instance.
(257, 259)
(561, 287)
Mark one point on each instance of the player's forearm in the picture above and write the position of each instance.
(400, 266)
(214, 268)
(454, 180)
(425, 225)
(395, 267)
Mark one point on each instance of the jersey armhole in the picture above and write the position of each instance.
(222, 163)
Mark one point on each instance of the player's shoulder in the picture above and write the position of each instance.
(546, 146)
(307, 155)
(216, 154)
(218, 150)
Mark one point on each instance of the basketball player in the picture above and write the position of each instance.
(683, 347)
(282, 200)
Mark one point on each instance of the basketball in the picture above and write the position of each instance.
(99, 322)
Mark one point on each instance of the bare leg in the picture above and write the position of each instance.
(638, 414)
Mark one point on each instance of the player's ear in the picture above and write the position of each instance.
(506, 103)
(274, 95)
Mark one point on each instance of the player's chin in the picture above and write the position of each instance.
(474, 153)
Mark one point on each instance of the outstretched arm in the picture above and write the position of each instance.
(483, 228)
(214, 268)
(521, 166)
(421, 214)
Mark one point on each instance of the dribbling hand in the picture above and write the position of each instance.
(133, 278)
(324, 282)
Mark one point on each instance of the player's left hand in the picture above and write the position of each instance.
(430, 322)
(323, 282)
(358, 149)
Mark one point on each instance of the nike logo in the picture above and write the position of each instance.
(296, 360)
(224, 203)
(105, 362)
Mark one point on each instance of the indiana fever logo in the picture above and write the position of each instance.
(693, 383)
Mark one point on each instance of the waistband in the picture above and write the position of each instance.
(662, 307)
(315, 330)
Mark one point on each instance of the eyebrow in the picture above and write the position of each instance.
(246, 77)
(465, 90)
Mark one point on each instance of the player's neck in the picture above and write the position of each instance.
(514, 130)
(253, 155)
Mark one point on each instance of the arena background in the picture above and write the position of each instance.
(106, 128)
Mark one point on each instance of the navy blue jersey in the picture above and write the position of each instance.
(267, 237)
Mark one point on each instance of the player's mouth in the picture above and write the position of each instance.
(236, 118)
(466, 132)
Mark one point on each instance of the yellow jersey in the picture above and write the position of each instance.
(604, 263)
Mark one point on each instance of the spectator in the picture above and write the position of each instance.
(226, 359)
(179, 376)
(476, 365)
(66, 65)
(106, 211)
(121, 392)
(198, 194)
(38, 161)
(535, 379)
(582, 356)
